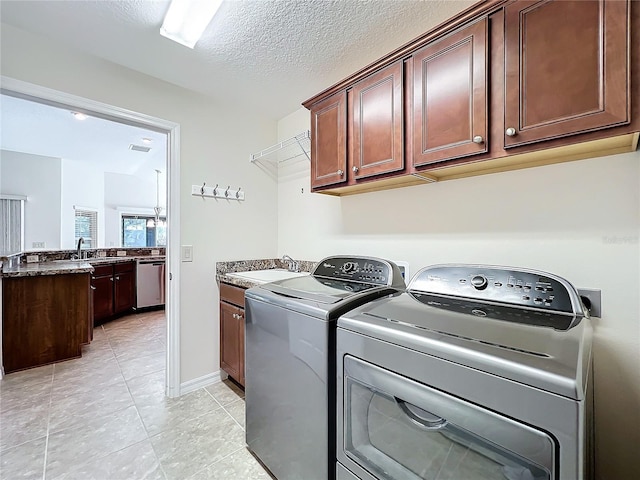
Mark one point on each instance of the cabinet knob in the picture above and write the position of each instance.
(478, 139)
(92, 287)
(111, 279)
(511, 132)
(340, 172)
(355, 169)
(117, 278)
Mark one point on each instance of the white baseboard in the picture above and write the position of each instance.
(200, 382)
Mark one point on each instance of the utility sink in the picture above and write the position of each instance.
(266, 276)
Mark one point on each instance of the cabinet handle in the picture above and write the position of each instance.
(117, 278)
(355, 169)
(511, 132)
(111, 279)
(340, 172)
(478, 139)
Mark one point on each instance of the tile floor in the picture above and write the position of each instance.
(105, 416)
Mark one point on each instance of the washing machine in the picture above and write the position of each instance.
(290, 370)
(473, 373)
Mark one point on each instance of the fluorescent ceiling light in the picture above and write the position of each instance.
(186, 20)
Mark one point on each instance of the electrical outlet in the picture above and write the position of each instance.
(33, 258)
(121, 253)
(155, 252)
(102, 253)
(37, 245)
(187, 253)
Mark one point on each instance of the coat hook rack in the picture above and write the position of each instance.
(216, 192)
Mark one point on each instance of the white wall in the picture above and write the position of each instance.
(580, 220)
(82, 186)
(214, 147)
(37, 178)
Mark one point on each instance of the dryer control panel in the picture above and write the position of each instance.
(504, 285)
(360, 269)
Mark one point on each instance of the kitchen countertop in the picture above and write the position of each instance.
(223, 268)
(61, 267)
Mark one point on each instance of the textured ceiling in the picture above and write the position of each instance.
(264, 55)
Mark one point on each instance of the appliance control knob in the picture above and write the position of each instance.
(355, 169)
(511, 132)
(479, 282)
(478, 139)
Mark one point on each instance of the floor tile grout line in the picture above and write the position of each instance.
(216, 462)
(46, 440)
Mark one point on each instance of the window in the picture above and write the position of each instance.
(11, 225)
(87, 227)
(142, 231)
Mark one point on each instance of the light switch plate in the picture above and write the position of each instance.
(186, 253)
(33, 258)
(121, 253)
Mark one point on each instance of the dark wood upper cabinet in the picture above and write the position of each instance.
(377, 123)
(450, 96)
(329, 141)
(566, 68)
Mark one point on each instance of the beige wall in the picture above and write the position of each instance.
(215, 147)
(580, 220)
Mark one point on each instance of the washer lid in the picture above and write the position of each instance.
(317, 289)
(540, 356)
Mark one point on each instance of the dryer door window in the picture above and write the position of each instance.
(396, 428)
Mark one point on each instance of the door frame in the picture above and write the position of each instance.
(29, 91)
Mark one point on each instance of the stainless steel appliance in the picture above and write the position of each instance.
(150, 291)
(475, 372)
(290, 361)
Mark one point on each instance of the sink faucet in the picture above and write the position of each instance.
(80, 242)
(292, 265)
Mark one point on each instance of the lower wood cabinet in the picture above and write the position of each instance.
(114, 290)
(232, 331)
(45, 319)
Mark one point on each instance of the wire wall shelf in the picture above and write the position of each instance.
(294, 147)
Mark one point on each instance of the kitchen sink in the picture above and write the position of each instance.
(266, 276)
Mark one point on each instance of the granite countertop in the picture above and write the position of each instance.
(223, 268)
(61, 267)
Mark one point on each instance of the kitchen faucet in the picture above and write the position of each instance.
(80, 242)
(292, 265)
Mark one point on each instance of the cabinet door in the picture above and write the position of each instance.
(231, 348)
(102, 298)
(125, 291)
(566, 68)
(450, 96)
(377, 123)
(329, 141)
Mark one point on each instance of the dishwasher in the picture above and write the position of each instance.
(150, 283)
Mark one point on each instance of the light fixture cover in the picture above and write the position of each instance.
(79, 115)
(186, 20)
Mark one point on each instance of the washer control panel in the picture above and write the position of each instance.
(357, 269)
(505, 285)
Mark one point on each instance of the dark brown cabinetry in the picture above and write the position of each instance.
(45, 319)
(566, 68)
(232, 331)
(329, 141)
(376, 118)
(450, 117)
(503, 85)
(114, 290)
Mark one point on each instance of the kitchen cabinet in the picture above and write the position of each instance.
(46, 319)
(114, 290)
(232, 331)
(503, 85)
(377, 117)
(450, 92)
(329, 141)
(566, 68)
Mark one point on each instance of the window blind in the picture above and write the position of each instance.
(87, 227)
(11, 228)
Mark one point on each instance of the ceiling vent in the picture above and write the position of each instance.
(139, 148)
